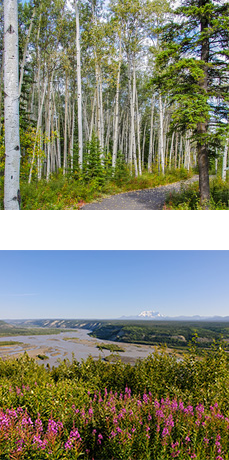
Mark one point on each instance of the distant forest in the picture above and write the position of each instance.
(174, 334)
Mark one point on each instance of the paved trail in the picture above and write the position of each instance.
(153, 198)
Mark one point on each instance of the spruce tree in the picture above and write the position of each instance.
(193, 69)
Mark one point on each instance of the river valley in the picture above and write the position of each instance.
(66, 344)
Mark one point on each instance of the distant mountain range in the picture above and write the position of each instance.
(148, 315)
(155, 315)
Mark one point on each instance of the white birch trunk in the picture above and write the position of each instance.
(65, 126)
(171, 150)
(224, 170)
(115, 141)
(79, 88)
(138, 137)
(11, 107)
(72, 135)
(92, 116)
(143, 145)
(161, 150)
(151, 137)
(37, 131)
(49, 129)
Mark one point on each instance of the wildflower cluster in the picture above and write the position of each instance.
(119, 425)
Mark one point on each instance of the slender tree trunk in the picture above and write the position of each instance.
(72, 135)
(48, 131)
(171, 150)
(65, 125)
(138, 137)
(11, 107)
(37, 130)
(92, 116)
(1, 92)
(115, 139)
(202, 127)
(224, 170)
(130, 153)
(161, 114)
(79, 89)
(151, 137)
(143, 145)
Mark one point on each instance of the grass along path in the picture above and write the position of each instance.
(147, 199)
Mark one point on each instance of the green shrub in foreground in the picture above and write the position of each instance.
(189, 198)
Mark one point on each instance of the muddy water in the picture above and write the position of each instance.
(64, 345)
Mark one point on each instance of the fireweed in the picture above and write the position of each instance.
(111, 425)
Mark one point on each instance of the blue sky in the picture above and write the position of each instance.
(109, 284)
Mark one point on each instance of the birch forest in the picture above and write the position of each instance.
(105, 94)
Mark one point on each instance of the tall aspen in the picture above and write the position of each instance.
(79, 89)
(11, 107)
(115, 140)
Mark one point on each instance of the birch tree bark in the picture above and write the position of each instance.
(161, 150)
(11, 107)
(79, 89)
(151, 137)
(115, 141)
(224, 170)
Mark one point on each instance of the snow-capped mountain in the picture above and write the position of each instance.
(150, 314)
(147, 314)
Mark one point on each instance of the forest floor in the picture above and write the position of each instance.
(147, 199)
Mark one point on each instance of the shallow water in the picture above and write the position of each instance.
(57, 348)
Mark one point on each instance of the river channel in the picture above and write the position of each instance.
(61, 346)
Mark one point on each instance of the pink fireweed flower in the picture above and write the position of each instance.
(37, 442)
(175, 444)
(174, 405)
(100, 438)
(159, 414)
(74, 438)
(169, 421)
(53, 427)
(145, 398)
(156, 404)
(149, 417)
(165, 432)
(90, 411)
(181, 405)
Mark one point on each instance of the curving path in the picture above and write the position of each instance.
(153, 198)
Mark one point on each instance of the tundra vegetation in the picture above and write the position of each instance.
(113, 96)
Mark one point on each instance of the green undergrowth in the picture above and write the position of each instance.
(73, 191)
(189, 197)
